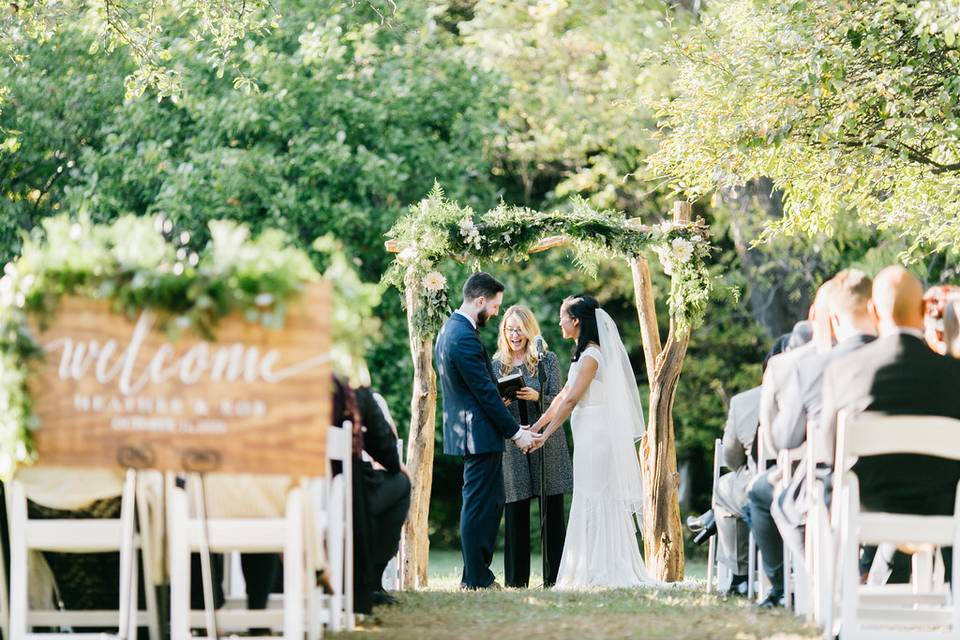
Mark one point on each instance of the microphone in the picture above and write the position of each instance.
(538, 341)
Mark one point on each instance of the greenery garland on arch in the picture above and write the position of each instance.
(436, 229)
(139, 263)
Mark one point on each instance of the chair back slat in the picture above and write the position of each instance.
(871, 434)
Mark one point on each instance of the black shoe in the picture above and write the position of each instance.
(772, 601)
(738, 587)
(382, 598)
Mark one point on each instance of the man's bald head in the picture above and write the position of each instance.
(898, 299)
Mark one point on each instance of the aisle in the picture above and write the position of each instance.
(683, 612)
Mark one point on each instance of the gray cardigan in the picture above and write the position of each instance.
(521, 472)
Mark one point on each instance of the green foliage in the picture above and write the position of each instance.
(850, 108)
(437, 229)
(579, 80)
(355, 119)
(151, 33)
(134, 266)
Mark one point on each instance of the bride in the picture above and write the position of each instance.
(601, 549)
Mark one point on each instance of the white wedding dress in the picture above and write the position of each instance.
(601, 548)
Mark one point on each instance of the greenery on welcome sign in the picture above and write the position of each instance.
(436, 229)
(139, 263)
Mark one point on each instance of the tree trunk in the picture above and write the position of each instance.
(662, 534)
(772, 296)
(423, 411)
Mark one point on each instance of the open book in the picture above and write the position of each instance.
(509, 385)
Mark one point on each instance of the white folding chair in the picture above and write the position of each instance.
(185, 535)
(331, 514)
(82, 536)
(892, 611)
(717, 574)
(796, 580)
(4, 594)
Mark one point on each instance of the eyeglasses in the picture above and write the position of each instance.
(513, 332)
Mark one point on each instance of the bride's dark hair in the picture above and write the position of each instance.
(583, 308)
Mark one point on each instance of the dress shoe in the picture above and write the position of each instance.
(709, 527)
(738, 588)
(382, 598)
(697, 523)
(772, 601)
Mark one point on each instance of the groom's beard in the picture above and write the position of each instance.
(482, 318)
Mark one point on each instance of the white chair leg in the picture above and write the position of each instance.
(179, 561)
(127, 610)
(293, 562)
(17, 520)
(147, 553)
(751, 567)
(850, 570)
(711, 560)
(4, 593)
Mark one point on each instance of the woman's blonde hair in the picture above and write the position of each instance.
(531, 329)
(951, 326)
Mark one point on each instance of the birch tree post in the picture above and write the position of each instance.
(662, 533)
(420, 443)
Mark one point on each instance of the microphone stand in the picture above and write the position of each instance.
(543, 483)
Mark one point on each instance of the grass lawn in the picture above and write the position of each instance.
(682, 611)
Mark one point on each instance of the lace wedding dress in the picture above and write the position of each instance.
(601, 548)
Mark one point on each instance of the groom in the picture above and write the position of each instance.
(475, 424)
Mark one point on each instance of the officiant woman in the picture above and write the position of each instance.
(545, 474)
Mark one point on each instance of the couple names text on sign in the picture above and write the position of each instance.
(114, 391)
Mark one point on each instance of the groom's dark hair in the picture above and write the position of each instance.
(481, 284)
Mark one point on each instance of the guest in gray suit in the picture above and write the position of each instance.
(519, 351)
(853, 326)
(730, 494)
(773, 400)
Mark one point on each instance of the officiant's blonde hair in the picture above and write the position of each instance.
(531, 329)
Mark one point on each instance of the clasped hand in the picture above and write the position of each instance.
(528, 441)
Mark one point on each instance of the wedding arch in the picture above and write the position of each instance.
(437, 230)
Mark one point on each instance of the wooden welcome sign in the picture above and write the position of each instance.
(112, 391)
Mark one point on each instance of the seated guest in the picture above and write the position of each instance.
(772, 402)
(730, 494)
(951, 327)
(935, 302)
(381, 496)
(896, 374)
(852, 325)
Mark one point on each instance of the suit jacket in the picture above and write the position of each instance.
(896, 375)
(775, 381)
(741, 430)
(474, 418)
(803, 395)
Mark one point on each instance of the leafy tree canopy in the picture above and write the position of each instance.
(575, 122)
(851, 108)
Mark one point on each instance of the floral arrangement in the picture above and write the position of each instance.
(435, 229)
(138, 263)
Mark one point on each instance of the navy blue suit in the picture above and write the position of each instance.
(475, 424)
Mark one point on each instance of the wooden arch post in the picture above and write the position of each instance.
(420, 445)
(662, 532)
(663, 536)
